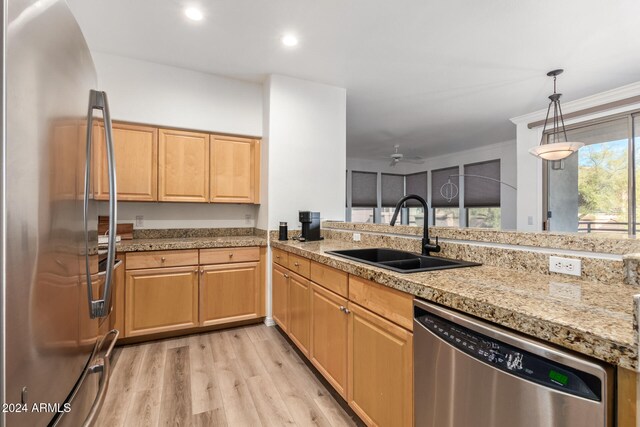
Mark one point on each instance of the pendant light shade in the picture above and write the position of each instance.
(555, 148)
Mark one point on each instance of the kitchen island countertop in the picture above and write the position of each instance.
(591, 318)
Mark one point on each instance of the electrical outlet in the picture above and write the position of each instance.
(529, 220)
(247, 219)
(356, 237)
(139, 221)
(565, 265)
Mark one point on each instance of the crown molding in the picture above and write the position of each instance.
(601, 98)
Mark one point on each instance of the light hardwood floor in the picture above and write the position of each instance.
(248, 376)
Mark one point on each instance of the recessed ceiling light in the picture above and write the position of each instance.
(193, 14)
(289, 40)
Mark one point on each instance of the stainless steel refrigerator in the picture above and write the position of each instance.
(56, 283)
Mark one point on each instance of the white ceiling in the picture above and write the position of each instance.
(434, 76)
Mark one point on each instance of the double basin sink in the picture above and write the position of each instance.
(401, 261)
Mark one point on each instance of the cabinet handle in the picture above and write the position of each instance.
(163, 259)
(296, 264)
(344, 309)
(286, 276)
(231, 255)
(202, 271)
(278, 256)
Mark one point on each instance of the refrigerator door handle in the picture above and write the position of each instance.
(98, 101)
(102, 368)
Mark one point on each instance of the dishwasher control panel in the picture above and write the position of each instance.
(513, 360)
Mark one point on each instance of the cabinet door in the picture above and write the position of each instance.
(380, 388)
(183, 166)
(235, 164)
(160, 300)
(299, 313)
(280, 296)
(229, 293)
(136, 154)
(329, 325)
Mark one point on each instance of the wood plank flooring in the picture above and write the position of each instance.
(248, 376)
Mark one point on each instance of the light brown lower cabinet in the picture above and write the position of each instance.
(161, 300)
(280, 296)
(380, 388)
(329, 335)
(229, 293)
(299, 314)
(362, 353)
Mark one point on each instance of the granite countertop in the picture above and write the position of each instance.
(137, 245)
(588, 317)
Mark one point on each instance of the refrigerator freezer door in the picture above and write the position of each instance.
(49, 333)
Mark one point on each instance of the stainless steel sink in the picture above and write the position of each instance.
(401, 261)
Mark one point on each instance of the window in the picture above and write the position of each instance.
(392, 189)
(589, 191)
(482, 194)
(416, 183)
(364, 196)
(362, 215)
(447, 217)
(483, 217)
(444, 196)
(416, 216)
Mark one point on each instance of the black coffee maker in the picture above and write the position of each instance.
(310, 226)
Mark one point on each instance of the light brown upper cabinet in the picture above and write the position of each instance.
(183, 166)
(136, 154)
(235, 169)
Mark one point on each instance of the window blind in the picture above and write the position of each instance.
(392, 189)
(480, 192)
(364, 189)
(438, 179)
(417, 183)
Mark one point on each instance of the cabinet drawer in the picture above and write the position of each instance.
(137, 260)
(389, 303)
(280, 257)
(330, 278)
(227, 255)
(299, 265)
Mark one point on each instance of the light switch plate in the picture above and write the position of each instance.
(139, 221)
(356, 237)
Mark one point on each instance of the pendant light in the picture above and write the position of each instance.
(555, 149)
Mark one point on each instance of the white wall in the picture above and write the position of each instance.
(307, 149)
(529, 201)
(262, 221)
(145, 92)
(505, 151)
(184, 215)
(156, 94)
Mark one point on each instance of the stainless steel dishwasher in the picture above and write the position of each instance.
(471, 373)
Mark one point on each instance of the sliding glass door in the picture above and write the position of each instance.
(589, 191)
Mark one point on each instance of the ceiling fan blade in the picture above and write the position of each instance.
(414, 161)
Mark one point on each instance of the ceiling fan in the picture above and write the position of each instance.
(399, 157)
